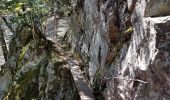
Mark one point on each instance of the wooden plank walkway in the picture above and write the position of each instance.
(85, 92)
(81, 84)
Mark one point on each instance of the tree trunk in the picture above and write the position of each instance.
(3, 45)
(55, 21)
(53, 4)
(8, 25)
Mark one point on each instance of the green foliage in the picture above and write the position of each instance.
(32, 13)
(24, 11)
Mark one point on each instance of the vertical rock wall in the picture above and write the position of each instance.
(126, 46)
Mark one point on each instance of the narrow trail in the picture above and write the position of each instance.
(56, 36)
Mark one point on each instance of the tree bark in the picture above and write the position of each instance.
(3, 45)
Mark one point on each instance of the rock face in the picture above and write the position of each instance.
(39, 74)
(35, 71)
(7, 37)
(157, 8)
(125, 45)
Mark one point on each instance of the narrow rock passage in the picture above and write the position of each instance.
(67, 56)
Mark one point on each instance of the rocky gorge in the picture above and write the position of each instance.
(123, 47)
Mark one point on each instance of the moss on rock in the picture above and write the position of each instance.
(41, 74)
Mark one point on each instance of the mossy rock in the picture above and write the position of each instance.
(34, 81)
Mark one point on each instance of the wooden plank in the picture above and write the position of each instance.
(85, 92)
